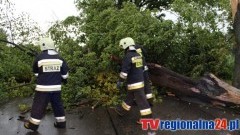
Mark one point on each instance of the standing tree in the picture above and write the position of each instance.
(236, 25)
(20, 28)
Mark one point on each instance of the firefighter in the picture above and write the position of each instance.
(132, 71)
(147, 86)
(51, 71)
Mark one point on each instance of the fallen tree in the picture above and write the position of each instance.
(209, 88)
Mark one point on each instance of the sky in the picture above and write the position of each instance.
(44, 12)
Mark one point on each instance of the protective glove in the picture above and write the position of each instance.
(64, 81)
(119, 85)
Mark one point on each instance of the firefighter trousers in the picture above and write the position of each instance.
(40, 102)
(139, 97)
(147, 88)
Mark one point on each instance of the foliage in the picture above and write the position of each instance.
(204, 39)
(15, 70)
(23, 107)
(69, 28)
(148, 4)
(85, 80)
(15, 67)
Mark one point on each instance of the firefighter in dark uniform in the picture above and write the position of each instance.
(132, 71)
(147, 86)
(51, 70)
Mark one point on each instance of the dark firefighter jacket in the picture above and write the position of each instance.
(132, 69)
(50, 69)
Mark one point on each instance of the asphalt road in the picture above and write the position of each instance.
(104, 121)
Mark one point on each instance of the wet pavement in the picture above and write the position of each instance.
(83, 121)
(104, 121)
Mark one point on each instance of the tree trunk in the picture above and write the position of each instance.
(236, 26)
(234, 4)
(208, 88)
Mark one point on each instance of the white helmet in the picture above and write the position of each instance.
(126, 42)
(46, 44)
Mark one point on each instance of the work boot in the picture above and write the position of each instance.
(60, 124)
(120, 111)
(29, 125)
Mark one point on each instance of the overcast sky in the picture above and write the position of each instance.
(46, 11)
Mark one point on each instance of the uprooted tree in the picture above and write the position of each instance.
(208, 88)
(184, 46)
